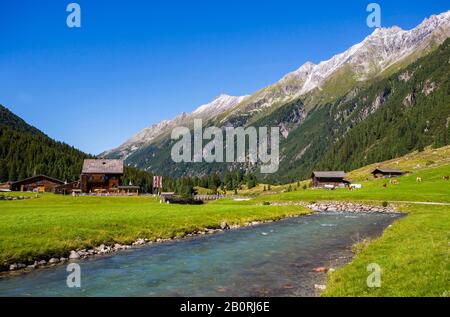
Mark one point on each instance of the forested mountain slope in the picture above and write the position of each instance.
(26, 151)
(405, 112)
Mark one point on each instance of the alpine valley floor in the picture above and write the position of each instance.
(413, 253)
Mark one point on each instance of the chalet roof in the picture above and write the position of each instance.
(388, 171)
(329, 174)
(91, 166)
(36, 178)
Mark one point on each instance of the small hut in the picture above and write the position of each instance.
(68, 189)
(332, 179)
(166, 196)
(129, 190)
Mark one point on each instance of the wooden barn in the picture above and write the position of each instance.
(387, 173)
(332, 179)
(39, 183)
(101, 176)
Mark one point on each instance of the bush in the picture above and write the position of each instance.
(184, 201)
(385, 204)
(266, 203)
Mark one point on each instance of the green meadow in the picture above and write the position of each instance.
(433, 188)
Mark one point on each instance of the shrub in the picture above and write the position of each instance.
(385, 204)
(184, 201)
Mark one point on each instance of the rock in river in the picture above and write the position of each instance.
(74, 255)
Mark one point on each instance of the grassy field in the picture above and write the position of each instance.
(53, 225)
(432, 189)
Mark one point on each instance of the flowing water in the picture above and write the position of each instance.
(274, 259)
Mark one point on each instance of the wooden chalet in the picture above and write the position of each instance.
(330, 179)
(101, 176)
(39, 183)
(387, 173)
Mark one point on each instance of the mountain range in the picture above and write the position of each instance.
(299, 103)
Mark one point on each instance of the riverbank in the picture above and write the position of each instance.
(101, 250)
(48, 229)
(105, 249)
(342, 206)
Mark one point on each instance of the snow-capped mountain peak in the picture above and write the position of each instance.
(300, 74)
(386, 31)
(221, 103)
(147, 135)
(381, 49)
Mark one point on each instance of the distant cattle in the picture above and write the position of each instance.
(394, 182)
(445, 178)
(419, 179)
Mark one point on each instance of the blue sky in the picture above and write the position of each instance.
(134, 63)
